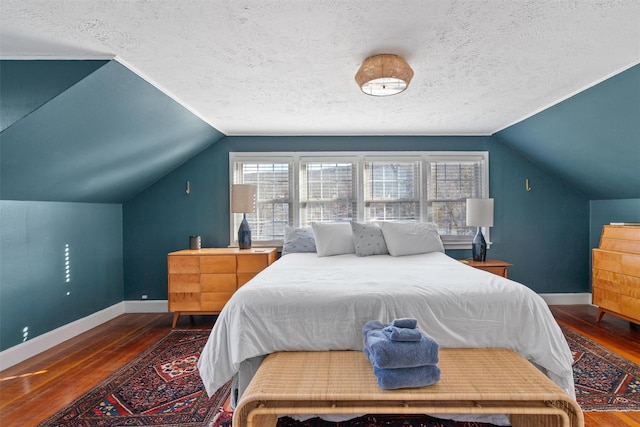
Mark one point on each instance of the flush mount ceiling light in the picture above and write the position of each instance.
(384, 75)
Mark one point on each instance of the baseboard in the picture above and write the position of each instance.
(32, 347)
(567, 299)
(146, 306)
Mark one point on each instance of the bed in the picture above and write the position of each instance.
(307, 302)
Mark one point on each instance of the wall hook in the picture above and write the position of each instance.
(526, 185)
(188, 189)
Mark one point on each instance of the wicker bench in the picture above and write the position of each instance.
(473, 381)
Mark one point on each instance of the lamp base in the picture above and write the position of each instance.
(479, 247)
(244, 234)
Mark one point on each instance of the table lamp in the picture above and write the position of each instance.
(243, 200)
(479, 214)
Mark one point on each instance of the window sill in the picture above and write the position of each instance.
(461, 245)
(447, 245)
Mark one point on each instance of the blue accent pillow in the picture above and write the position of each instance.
(368, 239)
(297, 240)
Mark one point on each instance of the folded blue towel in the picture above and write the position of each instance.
(387, 354)
(390, 379)
(405, 323)
(371, 325)
(402, 334)
(397, 323)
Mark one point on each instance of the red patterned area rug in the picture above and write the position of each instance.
(160, 387)
(604, 381)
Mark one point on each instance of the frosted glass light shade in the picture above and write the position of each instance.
(243, 198)
(480, 212)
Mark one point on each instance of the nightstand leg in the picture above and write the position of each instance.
(599, 315)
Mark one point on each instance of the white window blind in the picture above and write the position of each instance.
(327, 191)
(450, 182)
(297, 189)
(391, 191)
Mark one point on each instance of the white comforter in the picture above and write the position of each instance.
(310, 303)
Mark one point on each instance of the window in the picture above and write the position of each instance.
(391, 190)
(273, 207)
(327, 191)
(297, 189)
(450, 181)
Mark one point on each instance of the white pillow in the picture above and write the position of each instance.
(333, 238)
(411, 238)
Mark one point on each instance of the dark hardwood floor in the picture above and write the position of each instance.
(37, 388)
(617, 335)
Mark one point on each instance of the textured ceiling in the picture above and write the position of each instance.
(274, 67)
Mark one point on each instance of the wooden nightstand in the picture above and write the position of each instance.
(202, 281)
(494, 266)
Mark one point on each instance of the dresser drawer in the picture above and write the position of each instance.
(618, 262)
(184, 301)
(184, 264)
(218, 264)
(218, 282)
(184, 283)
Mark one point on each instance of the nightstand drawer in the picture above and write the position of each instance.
(252, 263)
(495, 266)
(500, 271)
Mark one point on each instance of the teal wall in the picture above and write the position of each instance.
(544, 232)
(34, 295)
(78, 138)
(591, 139)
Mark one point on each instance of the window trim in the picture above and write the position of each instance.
(293, 158)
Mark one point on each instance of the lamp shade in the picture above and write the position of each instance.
(480, 212)
(384, 75)
(243, 198)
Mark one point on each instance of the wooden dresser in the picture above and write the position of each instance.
(202, 281)
(616, 272)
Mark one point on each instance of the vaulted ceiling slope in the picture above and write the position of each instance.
(101, 138)
(591, 140)
(25, 87)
